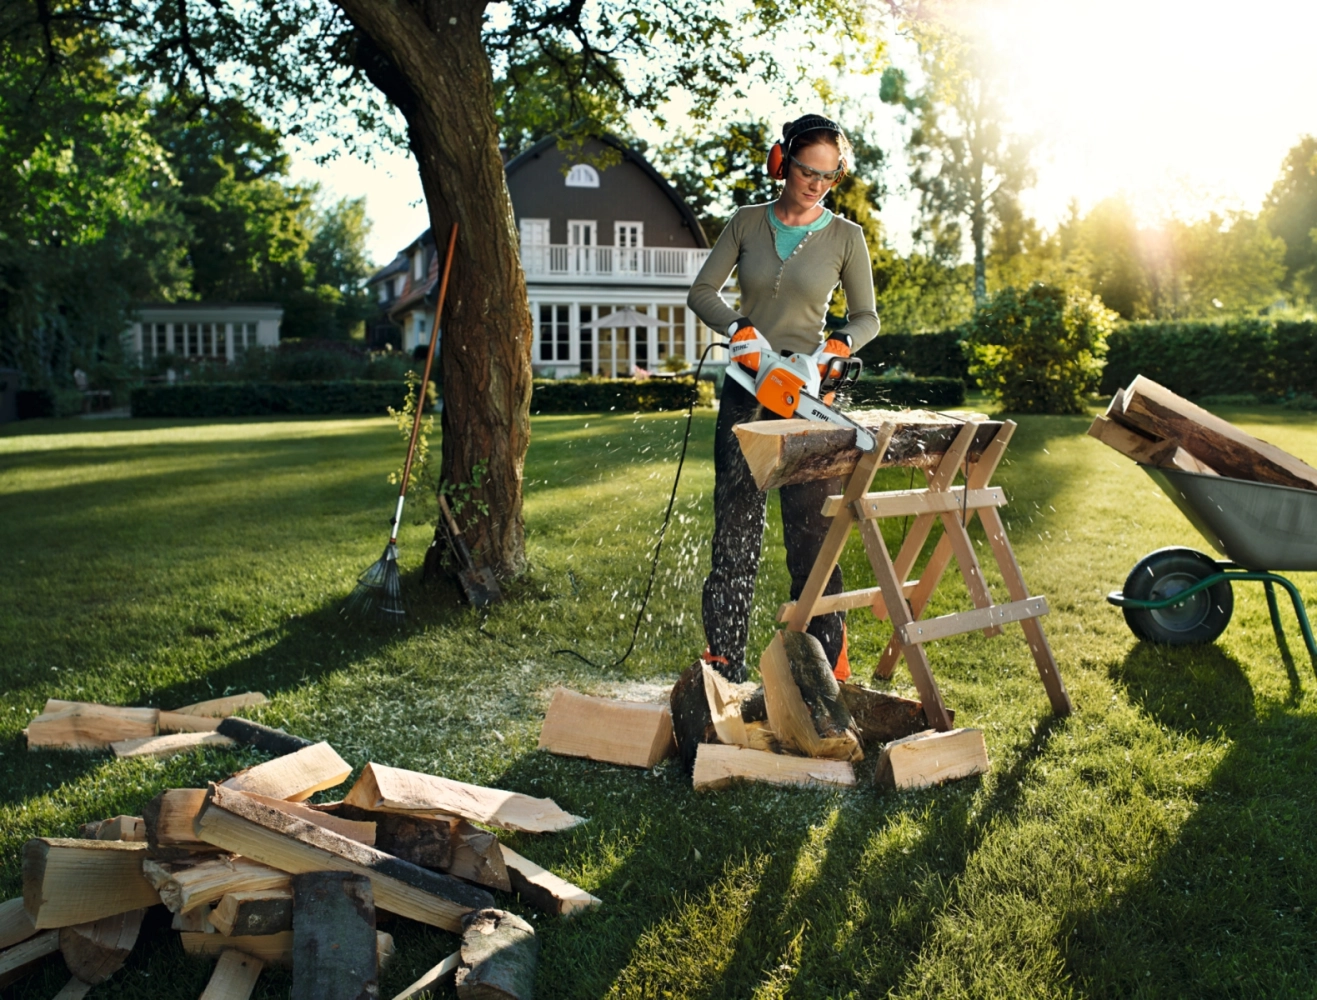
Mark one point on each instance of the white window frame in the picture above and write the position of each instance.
(529, 228)
(590, 226)
(620, 231)
(582, 175)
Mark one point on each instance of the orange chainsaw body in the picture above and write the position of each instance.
(779, 390)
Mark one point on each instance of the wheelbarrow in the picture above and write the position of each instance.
(1181, 596)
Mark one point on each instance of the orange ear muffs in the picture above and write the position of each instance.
(777, 163)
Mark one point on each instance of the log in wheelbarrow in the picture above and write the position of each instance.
(1181, 596)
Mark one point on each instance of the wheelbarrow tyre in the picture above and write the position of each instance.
(1163, 573)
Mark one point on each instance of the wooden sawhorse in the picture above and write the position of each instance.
(904, 601)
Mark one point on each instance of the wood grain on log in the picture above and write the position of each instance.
(77, 881)
(630, 733)
(217, 708)
(180, 722)
(96, 951)
(186, 886)
(540, 888)
(168, 746)
(1155, 410)
(234, 977)
(499, 952)
(237, 823)
(15, 923)
(16, 960)
(334, 937)
(795, 722)
(423, 840)
(882, 717)
(786, 452)
(478, 857)
(86, 726)
(718, 766)
(931, 758)
(296, 776)
(253, 912)
(399, 790)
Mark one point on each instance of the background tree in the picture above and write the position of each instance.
(966, 166)
(1290, 212)
(84, 228)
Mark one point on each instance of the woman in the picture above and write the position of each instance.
(789, 256)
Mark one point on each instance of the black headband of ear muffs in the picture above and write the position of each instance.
(807, 123)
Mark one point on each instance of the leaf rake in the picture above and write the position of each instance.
(378, 593)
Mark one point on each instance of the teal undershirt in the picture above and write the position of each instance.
(787, 238)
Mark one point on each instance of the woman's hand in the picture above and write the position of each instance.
(747, 344)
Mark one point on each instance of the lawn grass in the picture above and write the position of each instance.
(1155, 844)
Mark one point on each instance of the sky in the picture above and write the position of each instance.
(1183, 106)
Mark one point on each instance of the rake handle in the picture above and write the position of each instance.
(425, 379)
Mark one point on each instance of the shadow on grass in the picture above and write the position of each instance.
(772, 878)
(1236, 882)
(299, 652)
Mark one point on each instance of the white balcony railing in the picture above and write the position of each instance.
(613, 265)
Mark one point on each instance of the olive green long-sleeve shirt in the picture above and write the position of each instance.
(787, 300)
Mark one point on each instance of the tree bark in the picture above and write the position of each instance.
(428, 58)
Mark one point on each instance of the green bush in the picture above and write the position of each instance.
(907, 393)
(578, 395)
(925, 354)
(1039, 350)
(258, 399)
(1196, 359)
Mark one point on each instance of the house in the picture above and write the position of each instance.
(594, 241)
(214, 331)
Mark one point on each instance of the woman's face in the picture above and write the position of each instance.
(809, 191)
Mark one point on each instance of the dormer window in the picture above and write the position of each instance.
(418, 265)
(398, 284)
(583, 176)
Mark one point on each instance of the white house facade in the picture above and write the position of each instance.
(203, 331)
(594, 241)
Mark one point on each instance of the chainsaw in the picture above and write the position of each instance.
(798, 385)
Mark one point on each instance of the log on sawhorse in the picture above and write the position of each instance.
(903, 601)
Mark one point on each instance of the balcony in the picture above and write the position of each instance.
(553, 262)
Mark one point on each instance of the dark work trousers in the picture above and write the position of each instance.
(738, 535)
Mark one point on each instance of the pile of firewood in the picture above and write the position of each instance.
(1152, 425)
(801, 727)
(253, 875)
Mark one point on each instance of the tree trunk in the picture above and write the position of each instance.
(428, 58)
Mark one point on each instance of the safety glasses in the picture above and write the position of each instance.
(810, 174)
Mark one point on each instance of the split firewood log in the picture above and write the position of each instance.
(786, 452)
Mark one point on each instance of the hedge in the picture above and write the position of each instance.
(1270, 359)
(258, 399)
(924, 354)
(916, 393)
(624, 395)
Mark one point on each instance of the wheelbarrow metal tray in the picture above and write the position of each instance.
(1259, 526)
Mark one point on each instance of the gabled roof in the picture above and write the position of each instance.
(632, 156)
(399, 263)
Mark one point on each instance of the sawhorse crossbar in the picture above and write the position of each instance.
(904, 601)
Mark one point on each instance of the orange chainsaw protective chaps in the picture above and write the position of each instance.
(779, 391)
